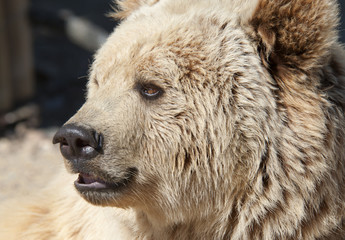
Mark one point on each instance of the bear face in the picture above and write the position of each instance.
(225, 108)
(201, 70)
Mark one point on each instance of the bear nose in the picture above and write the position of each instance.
(78, 142)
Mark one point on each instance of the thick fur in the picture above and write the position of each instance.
(247, 140)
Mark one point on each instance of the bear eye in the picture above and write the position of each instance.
(150, 91)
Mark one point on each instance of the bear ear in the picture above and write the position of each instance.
(124, 8)
(295, 34)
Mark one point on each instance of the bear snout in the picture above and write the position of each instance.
(78, 143)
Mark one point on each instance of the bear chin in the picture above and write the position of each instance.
(104, 199)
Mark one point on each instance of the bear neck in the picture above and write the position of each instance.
(209, 227)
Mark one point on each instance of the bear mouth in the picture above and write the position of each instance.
(90, 182)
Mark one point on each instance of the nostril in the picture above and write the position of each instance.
(84, 147)
(80, 143)
(99, 141)
(63, 142)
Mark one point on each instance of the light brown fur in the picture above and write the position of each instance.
(246, 142)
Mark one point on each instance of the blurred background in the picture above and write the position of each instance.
(46, 47)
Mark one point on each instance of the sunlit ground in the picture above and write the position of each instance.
(28, 162)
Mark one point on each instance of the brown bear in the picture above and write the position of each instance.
(204, 119)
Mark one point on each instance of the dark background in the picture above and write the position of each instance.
(342, 26)
(61, 66)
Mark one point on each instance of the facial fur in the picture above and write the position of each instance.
(239, 122)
